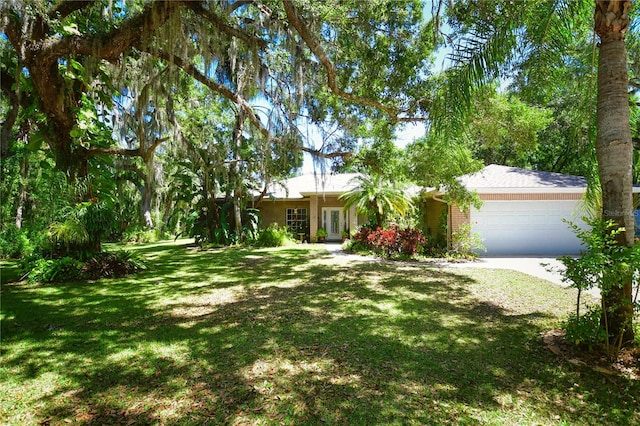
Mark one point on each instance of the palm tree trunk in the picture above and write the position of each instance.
(614, 150)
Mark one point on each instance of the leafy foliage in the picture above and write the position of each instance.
(139, 234)
(70, 233)
(82, 227)
(606, 265)
(390, 242)
(68, 269)
(586, 330)
(504, 130)
(378, 198)
(438, 159)
(15, 243)
(322, 233)
(465, 243)
(602, 262)
(274, 236)
(64, 269)
(113, 264)
(214, 224)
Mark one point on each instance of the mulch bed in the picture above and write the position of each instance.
(626, 364)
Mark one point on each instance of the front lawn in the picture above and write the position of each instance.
(295, 336)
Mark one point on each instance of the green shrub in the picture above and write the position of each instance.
(69, 233)
(586, 330)
(347, 245)
(119, 263)
(601, 265)
(275, 236)
(81, 228)
(465, 243)
(143, 235)
(15, 243)
(55, 270)
(112, 264)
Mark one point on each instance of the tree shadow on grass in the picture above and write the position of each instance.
(299, 340)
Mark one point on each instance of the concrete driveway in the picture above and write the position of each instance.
(548, 268)
(534, 266)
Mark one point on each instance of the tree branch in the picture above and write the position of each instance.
(237, 5)
(132, 168)
(66, 8)
(11, 24)
(257, 200)
(250, 39)
(115, 151)
(126, 152)
(147, 153)
(314, 45)
(227, 93)
(111, 45)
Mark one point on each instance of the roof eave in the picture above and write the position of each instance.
(528, 190)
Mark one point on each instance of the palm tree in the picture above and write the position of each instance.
(542, 31)
(614, 149)
(377, 198)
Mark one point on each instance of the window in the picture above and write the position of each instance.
(297, 220)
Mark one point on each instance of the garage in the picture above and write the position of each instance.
(527, 227)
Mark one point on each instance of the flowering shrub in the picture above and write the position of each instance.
(389, 242)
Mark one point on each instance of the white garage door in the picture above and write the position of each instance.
(526, 227)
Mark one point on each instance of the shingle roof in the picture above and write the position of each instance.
(299, 186)
(495, 177)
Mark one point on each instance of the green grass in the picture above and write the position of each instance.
(295, 336)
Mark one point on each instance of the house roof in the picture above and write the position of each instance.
(495, 178)
(492, 179)
(300, 186)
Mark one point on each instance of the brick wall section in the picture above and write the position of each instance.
(457, 218)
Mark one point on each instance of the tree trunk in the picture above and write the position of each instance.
(166, 214)
(147, 193)
(145, 207)
(22, 195)
(237, 191)
(6, 130)
(614, 151)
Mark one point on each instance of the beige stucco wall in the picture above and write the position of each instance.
(275, 211)
(431, 216)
